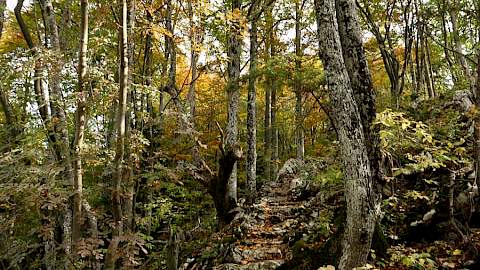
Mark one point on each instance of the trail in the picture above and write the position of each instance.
(264, 232)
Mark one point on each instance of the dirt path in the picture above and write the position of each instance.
(265, 242)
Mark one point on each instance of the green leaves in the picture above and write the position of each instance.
(414, 144)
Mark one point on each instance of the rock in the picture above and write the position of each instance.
(297, 186)
(263, 265)
(463, 100)
(289, 169)
(429, 215)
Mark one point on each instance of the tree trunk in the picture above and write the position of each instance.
(274, 128)
(59, 119)
(10, 117)
(3, 6)
(419, 58)
(80, 120)
(267, 156)
(428, 71)
(194, 51)
(361, 214)
(110, 258)
(38, 85)
(128, 202)
(442, 10)
(453, 10)
(477, 125)
(356, 64)
(299, 132)
(233, 96)
(251, 110)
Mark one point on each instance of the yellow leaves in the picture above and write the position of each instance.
(159, 32)
(237, 21)
(457, 252)
(11, 39)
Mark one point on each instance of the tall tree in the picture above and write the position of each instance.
(299, 133)
(120, 144)
(59, 119)
(268, 100)
(251, 105)
(10, 117)
(38, 83)
(80, 120)
(387, 42)
(359, 190)
(196, 37)
(234, 49)
(458, 45)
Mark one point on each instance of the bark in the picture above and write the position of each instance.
(420, 56)
(110, 259)
(60, 149)
(428, 71)
(38, 70)
(66, 23)
(128, 202)
(356, 64)
(233, 95)
(251, 111)
(59, 119)
(171, 55)
(195, 37)
(218, 184)
(80, 120)
(147, 77)
(173, 248)
(299, 132)
(121, 115)
(275, 157)
(361, 215)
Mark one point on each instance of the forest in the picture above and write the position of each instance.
(239, 134)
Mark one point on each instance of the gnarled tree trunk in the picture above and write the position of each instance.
(359, 190)
(233, 95)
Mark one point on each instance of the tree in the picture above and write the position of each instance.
(4, 100)
(359, 185)
(252, 103)
(120, 144)
(299, 133)
(80, 120)
(268, 99)
(387, 43)
(234, 49)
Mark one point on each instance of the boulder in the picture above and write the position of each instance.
(297, 187)
(463, 100)
(289, 169)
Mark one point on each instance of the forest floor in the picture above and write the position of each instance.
(288, 229)
(263, 235)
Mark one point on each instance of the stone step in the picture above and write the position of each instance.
(255, 265)
(260, 252)
(260, 241)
